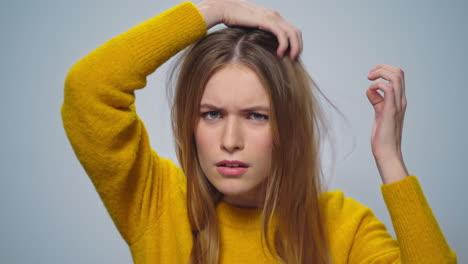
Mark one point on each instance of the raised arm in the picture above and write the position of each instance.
(101, 122)
(99, 113)
(419, 237)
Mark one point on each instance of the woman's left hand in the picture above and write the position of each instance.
(388, 122)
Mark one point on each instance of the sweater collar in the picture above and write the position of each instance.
(239, 217)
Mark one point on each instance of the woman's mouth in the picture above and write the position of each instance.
(231, 167)
(231, 170)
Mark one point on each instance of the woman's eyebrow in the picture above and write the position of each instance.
(248, 109)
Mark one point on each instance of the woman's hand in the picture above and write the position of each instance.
(388, 122)
(243, 13)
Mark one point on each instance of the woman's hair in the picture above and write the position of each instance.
(294, 184)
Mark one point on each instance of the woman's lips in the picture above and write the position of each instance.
(232, 162)
(231, 171)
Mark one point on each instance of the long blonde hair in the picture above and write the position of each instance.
(294, 184)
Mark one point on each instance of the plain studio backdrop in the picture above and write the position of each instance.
(50, 211)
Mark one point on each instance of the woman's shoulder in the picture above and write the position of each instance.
(337, 200)
(345, 219)
(339, 209)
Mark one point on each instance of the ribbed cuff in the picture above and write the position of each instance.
(404, 199)
(400, 188)
(415, 225)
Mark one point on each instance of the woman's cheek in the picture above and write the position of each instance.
(263, 143)
(204, 138)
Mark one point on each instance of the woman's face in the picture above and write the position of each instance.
(234, 125)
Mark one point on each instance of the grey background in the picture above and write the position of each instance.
(50, 212)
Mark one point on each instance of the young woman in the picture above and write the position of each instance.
(247, 126)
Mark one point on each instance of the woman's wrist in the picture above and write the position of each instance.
(392, 170)
(211, 11)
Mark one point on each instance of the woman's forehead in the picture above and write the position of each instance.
(235, 86)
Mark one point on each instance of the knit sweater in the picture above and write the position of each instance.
(145, 194)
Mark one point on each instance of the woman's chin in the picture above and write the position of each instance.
(230, 191)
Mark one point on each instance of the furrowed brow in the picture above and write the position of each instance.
(249, 109)
(210, 106)
(256, 109)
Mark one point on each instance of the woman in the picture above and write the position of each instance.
(247, 129)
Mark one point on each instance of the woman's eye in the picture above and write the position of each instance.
(215, 115)
(259, 117)
(211, 114)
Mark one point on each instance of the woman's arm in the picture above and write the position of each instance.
(420, 239)
(101, 122)
(99, 114)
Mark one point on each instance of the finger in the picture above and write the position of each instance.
(394, 80)
(387, 67)
(389, 96)
(285, 32)
(281, 36)
(295, 39)
(301, 41)
(293, 43)
(403, 89)
(374, 97)
(271, 23)
(401, 76)
(283, 41)
(298, 35)
(398, 72)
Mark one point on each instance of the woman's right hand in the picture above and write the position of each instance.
(243, 13)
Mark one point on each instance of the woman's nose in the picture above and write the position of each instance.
(232, 138)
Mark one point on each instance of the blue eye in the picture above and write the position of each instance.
(209, 115)
(259, 117)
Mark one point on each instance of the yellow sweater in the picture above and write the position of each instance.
(146, 195)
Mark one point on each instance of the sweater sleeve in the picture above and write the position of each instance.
(101, 123)
(419, 237)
